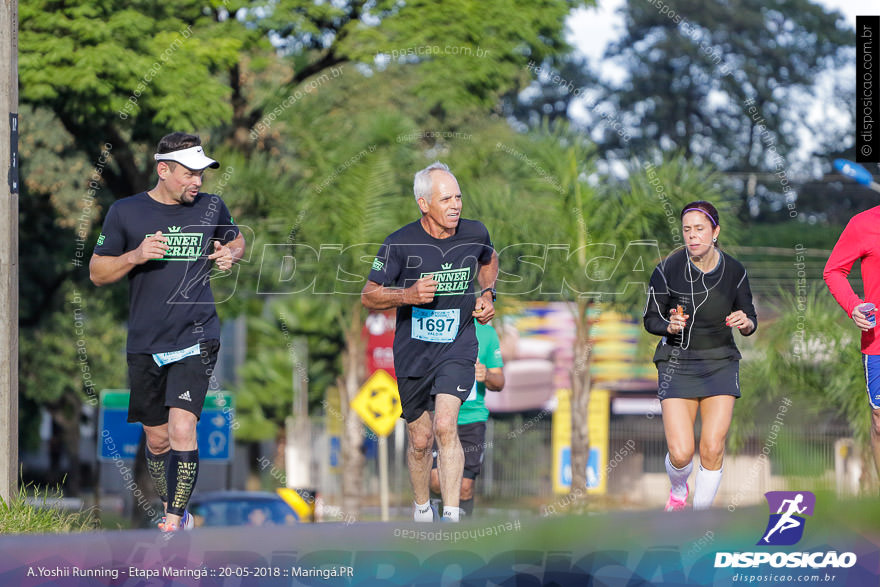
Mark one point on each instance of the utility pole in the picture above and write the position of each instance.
(9, 249)
(298, 452)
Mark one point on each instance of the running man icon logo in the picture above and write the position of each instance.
(786, 526)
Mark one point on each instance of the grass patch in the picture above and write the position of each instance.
(108, 520)
(20, 515)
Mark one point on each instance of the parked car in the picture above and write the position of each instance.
(241, 508)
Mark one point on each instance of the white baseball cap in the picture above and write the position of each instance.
(192, 158)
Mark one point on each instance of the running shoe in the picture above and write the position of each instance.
(673, 504)
(445, 518)
(421, 517)
(186, 523)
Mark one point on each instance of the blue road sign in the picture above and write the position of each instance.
(118, 438)
(592, 467)
(335, 451)
(215, 435)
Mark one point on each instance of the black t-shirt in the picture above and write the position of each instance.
(443, 330)
(707, 297)
(170, 299)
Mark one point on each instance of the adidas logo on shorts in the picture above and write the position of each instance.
(185, 395)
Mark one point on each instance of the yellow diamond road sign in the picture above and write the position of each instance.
(378, 403)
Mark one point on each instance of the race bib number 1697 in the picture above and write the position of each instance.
(435, 325)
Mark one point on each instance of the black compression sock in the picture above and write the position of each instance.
(467, 506)
(183, 470)
(157, 465)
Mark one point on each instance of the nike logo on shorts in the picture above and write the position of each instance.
(458, 388)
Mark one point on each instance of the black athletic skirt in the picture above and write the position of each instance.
(697, 378)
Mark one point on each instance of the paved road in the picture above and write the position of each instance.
(614, 548)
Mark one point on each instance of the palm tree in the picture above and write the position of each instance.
(811, 355)
(630, 227)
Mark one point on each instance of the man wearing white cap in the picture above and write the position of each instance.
(165, 241)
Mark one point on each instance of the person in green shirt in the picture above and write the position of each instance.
(473, 415)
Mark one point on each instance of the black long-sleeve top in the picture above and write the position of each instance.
(707, 297)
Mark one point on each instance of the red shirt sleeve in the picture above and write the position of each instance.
(849, 248)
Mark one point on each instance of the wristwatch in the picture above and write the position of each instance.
(492, 289)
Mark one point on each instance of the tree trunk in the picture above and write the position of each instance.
(131, 176)
(580, 400)
(868, 480)
(254, 482)
(71, 440)
(353, 429)
(280, 461)
(241, 124)
(66, 417)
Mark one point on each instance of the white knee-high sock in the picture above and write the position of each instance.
(706, 487)
(678, 477)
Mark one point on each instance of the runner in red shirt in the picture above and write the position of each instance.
(860, 240)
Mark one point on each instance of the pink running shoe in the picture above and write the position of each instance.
(186, 523)
(673, 504)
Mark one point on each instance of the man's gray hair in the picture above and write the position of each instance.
(423, 185)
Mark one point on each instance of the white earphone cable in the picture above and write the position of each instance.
(696, 306)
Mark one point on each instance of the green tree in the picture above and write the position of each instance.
(68, 351)
(122, 73)
(289, 129)
(809, 353)
(726, 82)
(558, 82)
(347, 179)
(621, 232)
(357, 218)
(339, 199)
(65, 363)
(125, 74)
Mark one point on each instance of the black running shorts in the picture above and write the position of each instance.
(450, 377)
(182, 384)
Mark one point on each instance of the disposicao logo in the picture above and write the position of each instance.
(786, 528)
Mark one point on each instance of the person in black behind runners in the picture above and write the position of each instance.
(165, 241)
(696, 297)
(426, 270)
